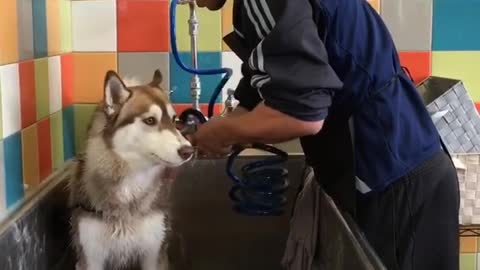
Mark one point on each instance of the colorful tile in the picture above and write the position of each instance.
(42, 95)
(27, 93)
(69, 133)
(31, 175)
(459, 65)
(142, 65)
(3, 201)
(456, 25)
(25, 29)
(56, 133)
(375, 4)
(410, 23)
(54, 39)
(179, 108)
(209, 30)
(12, 146)
(67, 79)
(83, 114)
(40, 40)
(10, 86)
(180, 80)
(468, 245)
(227, 22)
(418, 63)
(231, 60)
(8, 32)
(89, 74)
(44, 149)
(66, 25)
(55, 83)
(143, 26)
(94, 26)
(468, 261)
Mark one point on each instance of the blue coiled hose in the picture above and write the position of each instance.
(260, 191)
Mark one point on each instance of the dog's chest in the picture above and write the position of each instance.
(139, 186)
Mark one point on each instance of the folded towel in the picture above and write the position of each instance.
(302, 238)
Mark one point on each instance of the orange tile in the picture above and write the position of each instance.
(27, 93)
(89, 74)
(227, 23)
(8, 32)
(67, 79)
(375, 4)
(143, 25)
(468, 244)
(53, 27)
(418, 63)
(180, 107)
(31, 176)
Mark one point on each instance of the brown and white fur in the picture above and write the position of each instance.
(119, 191)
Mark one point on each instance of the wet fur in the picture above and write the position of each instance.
(120, 215)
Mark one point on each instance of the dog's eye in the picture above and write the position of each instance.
(150, 121)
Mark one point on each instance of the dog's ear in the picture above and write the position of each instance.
(157, 79)
(116, 93)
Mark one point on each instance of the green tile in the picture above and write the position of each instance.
(66, 25)
(210, 30)
(83, 114)
(42, 88)
(468, 261)
(56, 131)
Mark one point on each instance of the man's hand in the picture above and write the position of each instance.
(210, 138)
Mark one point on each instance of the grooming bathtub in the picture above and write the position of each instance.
(35, 235)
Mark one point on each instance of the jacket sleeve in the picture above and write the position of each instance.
(247, 96)
(289, 67)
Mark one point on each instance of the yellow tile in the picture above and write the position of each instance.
(53, 27)
(462, 65)
(89, 74)
(31, 173)
(468, 244)
(8, 32)
(375, 4)
(227, 23)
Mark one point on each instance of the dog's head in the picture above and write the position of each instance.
(140, 124)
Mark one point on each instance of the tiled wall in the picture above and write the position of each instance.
(54, 54)
(36, 69)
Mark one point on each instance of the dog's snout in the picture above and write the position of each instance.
(185, 152)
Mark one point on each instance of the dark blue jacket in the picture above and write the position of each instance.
(332, 60)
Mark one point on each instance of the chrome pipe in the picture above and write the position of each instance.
(195, 86)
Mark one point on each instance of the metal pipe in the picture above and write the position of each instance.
(195, 86)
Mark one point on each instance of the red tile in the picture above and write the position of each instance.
(44, 148)
(478, 106)
(143, 25)
(217, 109)
(27, 93)
(418, 63)
(67, 79)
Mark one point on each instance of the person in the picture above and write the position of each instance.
(328, 72)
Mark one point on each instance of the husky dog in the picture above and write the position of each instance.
(119, 187)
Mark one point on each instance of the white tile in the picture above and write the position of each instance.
(3, 195)
(10, 91)
(55, 83)
(94, 26)
(231, 60)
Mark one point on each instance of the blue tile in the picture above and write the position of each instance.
(13, 168)
(180, 79)
(68, 133)
(40, 43)
(456, 24)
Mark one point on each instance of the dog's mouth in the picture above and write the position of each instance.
(158, 159)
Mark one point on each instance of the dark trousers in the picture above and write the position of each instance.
(413, 224)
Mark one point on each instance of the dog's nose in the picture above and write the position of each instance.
(185, 152)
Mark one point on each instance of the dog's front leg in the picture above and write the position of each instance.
(93, 244)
